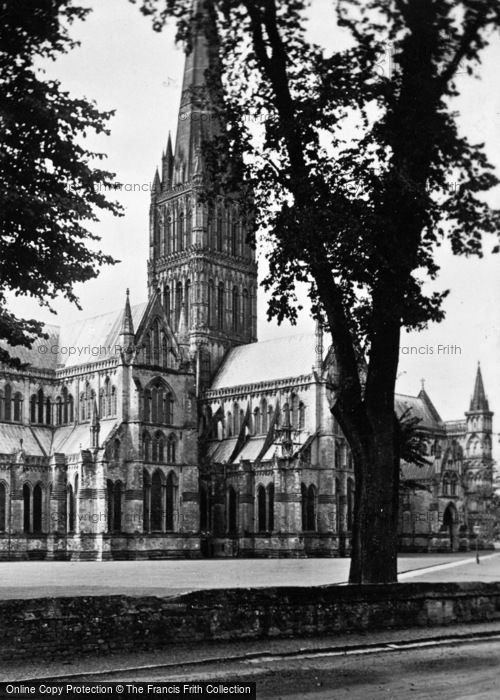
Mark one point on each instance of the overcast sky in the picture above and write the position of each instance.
(125, 66)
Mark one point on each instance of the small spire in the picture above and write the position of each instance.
(198, 121)
(167, 164)
(127, 321)
(479, 401)
(156, 183)
(422, 382)
(127, 333)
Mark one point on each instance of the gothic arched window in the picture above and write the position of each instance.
(234, 238)
(33, 406)
(155, 335)
(245, 311)
(18, 407)
(219, 233)
(59, 411)
(170, 501)
(48, 411)
(146, 501)
(187, 229)
(38, 509)
(167, 301)
(8, 403)
(26, 508)
(188, 303)
(308, 502)
(236, 419)
(270, 507)
(70, 509)
(157, 502)
(261, 509)
(220, 306)
(117, 506)
(211, 302)
(302, 416)
(453, 485)
(178, 303)
(263, 413)
(172, 449)
(236, 309)
(256, 421)
(295, 411)
(180, 231)
(40, 407)
(446, 485)
(146, 446)
(161, 448)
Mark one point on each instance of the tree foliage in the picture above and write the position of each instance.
(351, 182)
(49, 188)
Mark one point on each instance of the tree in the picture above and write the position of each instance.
(49, 190)
(350, 183)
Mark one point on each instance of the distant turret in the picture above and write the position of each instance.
(167, 165)
(479, 422)
(127, 334)
(156, 183)
(479, 402)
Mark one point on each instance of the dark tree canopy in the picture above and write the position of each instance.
(49, 188)
(350, 182)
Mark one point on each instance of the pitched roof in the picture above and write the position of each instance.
(71, 439)
(35, 444)
(39, 354)
(279, 358)
(96, 338)
(418, 407)
(78, 343)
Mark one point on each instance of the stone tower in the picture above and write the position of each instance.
(200, 263)
(479, 461)
(479, 425)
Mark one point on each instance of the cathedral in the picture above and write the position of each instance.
(165, 430)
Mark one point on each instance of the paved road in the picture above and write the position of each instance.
(469, 672)
(36, 579)
(446, 670)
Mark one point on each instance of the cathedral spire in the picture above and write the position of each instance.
(197, 122)
(479, 401)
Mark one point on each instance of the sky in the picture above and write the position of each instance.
(124, 65)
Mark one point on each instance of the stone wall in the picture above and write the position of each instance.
(53, 627)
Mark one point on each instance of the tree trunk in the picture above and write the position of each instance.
(374, 533)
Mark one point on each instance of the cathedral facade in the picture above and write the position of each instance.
(166, 430)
